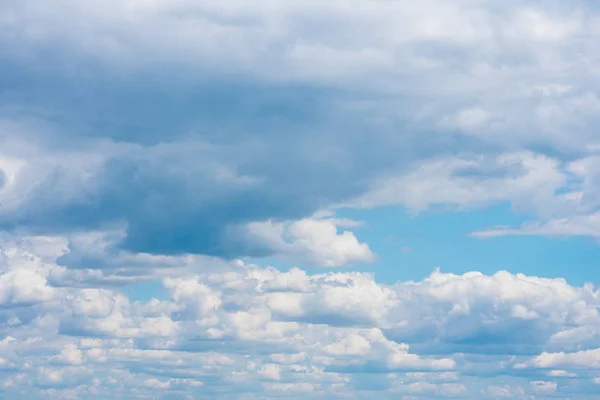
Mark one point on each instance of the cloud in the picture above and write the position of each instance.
(161, 141)
(503, 391)
(561, 196)
(315, 241)
(580, 359)
(581, 219)
(236, 115)
(159, 189)
(431, 389)
(246, 328)
(529, 181)
(587, 225)
(22, 287)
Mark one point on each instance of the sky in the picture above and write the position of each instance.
(292, 199)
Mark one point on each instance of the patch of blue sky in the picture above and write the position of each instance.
(411, 247)
(144, 291)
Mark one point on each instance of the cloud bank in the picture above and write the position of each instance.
(251, 331)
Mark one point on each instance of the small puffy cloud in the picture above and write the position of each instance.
(562, 373)
(22, 286)
(580, 359)
(69, 376)
(71, 354)
(271, 371)
(314, 241)
(156, 384)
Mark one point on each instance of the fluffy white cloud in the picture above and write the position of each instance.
(579, 359)
(257, 330)
(315, 241)
(22, 286)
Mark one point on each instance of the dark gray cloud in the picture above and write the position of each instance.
(184, 170)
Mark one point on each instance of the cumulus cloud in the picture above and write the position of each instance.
(253, 329)
(22, 287)
(581, 359)
(315, 241)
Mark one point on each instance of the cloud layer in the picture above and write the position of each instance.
(247, 331)
(187, 121)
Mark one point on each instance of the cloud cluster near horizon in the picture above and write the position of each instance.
(258, 331)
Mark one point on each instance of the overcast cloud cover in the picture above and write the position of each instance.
(215, 150)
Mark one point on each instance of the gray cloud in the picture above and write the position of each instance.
(235, 114)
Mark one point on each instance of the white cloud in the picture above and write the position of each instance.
(271, 371)
(70, 354)
(222, 330)
(314, 241)
(562, 373)
(579, 359)
(22, 286)
(156, 384)
(527, 180)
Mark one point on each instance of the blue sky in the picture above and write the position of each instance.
(299, 199)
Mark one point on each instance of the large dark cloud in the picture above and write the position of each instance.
(186, 163)
(186, 120)
(185, 172)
